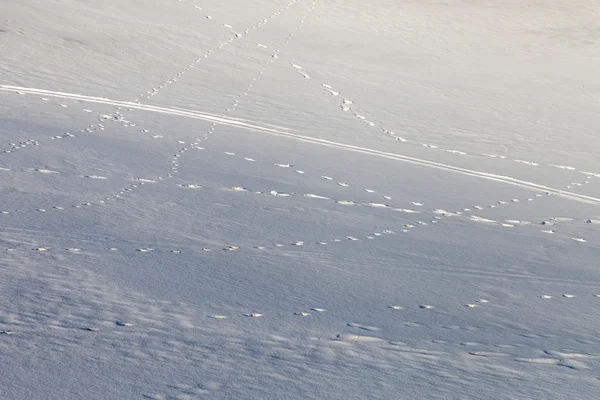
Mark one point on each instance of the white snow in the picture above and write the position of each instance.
(283, 276)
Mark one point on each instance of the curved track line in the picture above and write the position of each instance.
(162, 110)
(280, 132)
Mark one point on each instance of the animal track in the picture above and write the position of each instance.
(506, 223)
(119, 117)
(348, 104)
(174, 168)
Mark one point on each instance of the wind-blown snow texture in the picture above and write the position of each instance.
(299, 199)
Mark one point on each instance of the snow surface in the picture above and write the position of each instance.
(299, 199)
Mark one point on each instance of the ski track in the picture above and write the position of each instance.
(353, 333)
(394, 156)
(436, 215)
(117, 115)
(348, 106)
(431, 217)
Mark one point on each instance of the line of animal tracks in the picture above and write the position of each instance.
(284, 132)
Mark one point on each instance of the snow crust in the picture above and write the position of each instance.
(299, 199)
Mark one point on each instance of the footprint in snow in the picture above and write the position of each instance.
(315, 196)
(517, 222)
(363, 327)
(481, 219)
(407, 211)
(534, 164)
(462, 153)
(348, 337)
(487, 354)
(279, 194)
(190, 186)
